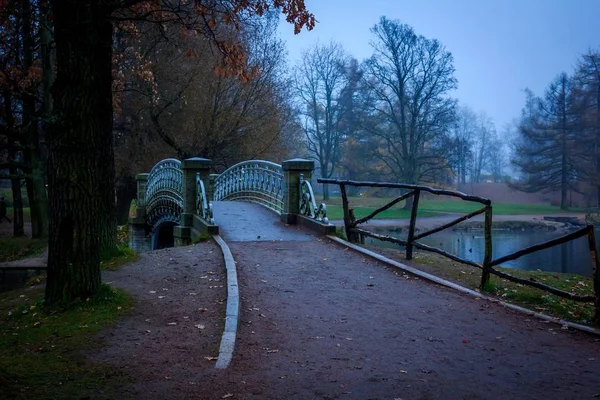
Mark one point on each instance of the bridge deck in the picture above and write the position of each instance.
(248, 222)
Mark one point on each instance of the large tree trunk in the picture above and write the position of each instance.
(36, 190)
(17, 203)
(80, 162)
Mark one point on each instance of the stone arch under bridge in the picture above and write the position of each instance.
(178, 196)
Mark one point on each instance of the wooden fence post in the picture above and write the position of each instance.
(413, 221)
(348, 220)
(596, 272)
(487, 258)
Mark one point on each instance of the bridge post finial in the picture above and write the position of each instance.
(292, 169)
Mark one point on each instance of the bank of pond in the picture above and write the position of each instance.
(467, 241)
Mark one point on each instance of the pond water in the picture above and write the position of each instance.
(572, 257)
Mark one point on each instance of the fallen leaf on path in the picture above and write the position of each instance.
(403, 371)
(203, 309)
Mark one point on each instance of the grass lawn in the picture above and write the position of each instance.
(363, 206)
(26, 213)
(17, 248)
(41, 348)
(522, 295)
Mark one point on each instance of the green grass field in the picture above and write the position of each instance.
(363, 206)
(522, 295)
(41, 348)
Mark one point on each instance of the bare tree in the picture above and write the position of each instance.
(321, 84)
(410, 78)
(496, 157)
(462, 139)
(485, 134)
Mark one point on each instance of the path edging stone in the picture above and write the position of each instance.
(460, 288)
(232, 313)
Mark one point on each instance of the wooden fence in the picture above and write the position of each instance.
(354, 233)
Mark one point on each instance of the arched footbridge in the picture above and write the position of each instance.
(180, 201)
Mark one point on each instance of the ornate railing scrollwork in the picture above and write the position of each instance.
(203, 206)
(308, 206)
(256, 181)
(164, 198)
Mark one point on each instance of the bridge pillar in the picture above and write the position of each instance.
(292, 169)
(138, 239)
(142, 184)
(190, 167)
(210, 189)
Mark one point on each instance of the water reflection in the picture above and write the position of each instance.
(571, 257)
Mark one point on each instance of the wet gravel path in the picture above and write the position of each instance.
(319, 321)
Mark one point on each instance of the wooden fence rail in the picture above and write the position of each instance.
(355, 234)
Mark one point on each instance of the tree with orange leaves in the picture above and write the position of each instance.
(80, 138)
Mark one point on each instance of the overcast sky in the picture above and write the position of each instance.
(500, 47)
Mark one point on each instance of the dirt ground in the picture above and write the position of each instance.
(319, 321)
(174, 332)
(6, 228)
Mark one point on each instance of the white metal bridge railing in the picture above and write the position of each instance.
(164, 192)
(256, 181)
